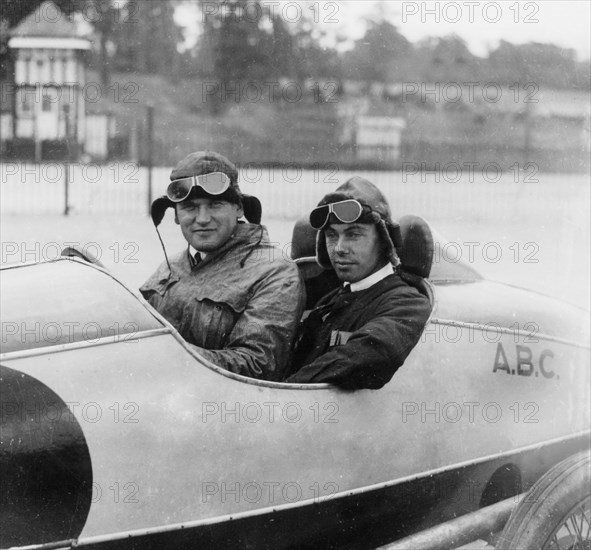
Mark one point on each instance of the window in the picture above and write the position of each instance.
(46, 105)
(26, 101)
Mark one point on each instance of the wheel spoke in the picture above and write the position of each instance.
(562, 521)
(588, 520)
(574, 531)
(577, 528)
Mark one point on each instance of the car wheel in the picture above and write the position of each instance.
(556, 512)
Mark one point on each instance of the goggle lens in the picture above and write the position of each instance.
(214, 183)
(347, 211)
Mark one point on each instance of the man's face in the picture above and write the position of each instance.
(207, 223)
(354, 250)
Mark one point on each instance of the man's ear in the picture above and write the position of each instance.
(239, 211)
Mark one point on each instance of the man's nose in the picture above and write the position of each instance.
(340, 247)
(202, 215)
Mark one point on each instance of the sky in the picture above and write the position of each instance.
(482, 25)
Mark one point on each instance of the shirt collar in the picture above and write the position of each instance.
(193, 251)
(372, 279)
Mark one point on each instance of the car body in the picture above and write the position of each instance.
(117, 434)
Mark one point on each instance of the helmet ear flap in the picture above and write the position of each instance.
(252, 209)
(395, 235)
(158, 209)
(322, 257)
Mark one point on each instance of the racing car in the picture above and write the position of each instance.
(115, 433)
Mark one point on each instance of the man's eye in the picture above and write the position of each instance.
(216, 204)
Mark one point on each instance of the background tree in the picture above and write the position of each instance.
(379, 55)
(544, 64)
(244, 40)
(312, 58)
(146, 38)
(446, 59)
(238, 36)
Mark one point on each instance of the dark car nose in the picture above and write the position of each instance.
(46, 472)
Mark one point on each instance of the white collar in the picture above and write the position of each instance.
(193, 251)
(372, 279)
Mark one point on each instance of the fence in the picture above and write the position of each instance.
(288, 191)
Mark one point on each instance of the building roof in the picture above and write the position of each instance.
(47, 21)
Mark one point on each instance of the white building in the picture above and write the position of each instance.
(47, 109)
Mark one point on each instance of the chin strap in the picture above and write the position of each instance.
(157, 211)
(165, 254)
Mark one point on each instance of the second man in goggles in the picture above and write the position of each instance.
(358, 335)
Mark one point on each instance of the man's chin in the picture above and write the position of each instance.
(203, 245)
(345, 273)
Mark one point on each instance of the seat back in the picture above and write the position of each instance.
(418, 248)
(318, 281)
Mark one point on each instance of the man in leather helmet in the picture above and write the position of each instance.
(230, 293)
(358, 335)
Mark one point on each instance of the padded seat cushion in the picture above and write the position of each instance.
(418, 247)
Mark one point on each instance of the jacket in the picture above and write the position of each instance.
(239, 307)
(359, 339)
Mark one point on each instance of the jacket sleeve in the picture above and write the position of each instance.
(375, 351)
(260, 343)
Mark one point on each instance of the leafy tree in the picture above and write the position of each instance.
(544, 64)
(239, 40)
(379, 55)
(312, 60)
(146, 39)
(445, 59)
(104, 21)
(14, 11)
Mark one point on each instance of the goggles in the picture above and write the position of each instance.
(347, 211)
(214, 183)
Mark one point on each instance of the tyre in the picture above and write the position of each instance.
(556, 512)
